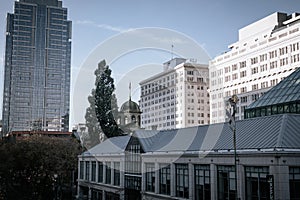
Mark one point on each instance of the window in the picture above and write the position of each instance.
(108, 173)
(111, 196)
(274, 82)
(87, 170)
(273, 54)
(263, 67)
(150, 177)
(81, 170)
(190, 72)
(133, 157)
(283, 61)
(243, 74)
(116, 173)
(254, 60)
(164, 179)
(182, 180)
(254, 70)
(227, 78)
(200, 80)
(234, 67)
(190, 79)
(283, 50)
(273, 64)
(132, 183)
(227, 93)
(264, 84)
(234, 76)
(202, 182)
(100, 172)
(294, 182)
(242, 64)
(226, 182)
(263, 57)
(243, 89)
(295, 58)
(235, 91)
(255, 87)
(93, 175)
(227, 69)
(294, 47)
(244, 99)
(257, 186)
(96, 194)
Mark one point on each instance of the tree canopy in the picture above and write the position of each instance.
(38, 167)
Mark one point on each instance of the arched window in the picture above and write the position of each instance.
(133, 119)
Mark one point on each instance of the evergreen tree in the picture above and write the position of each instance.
(91, 121)
(106, 104)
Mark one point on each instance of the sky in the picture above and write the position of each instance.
(136, 37)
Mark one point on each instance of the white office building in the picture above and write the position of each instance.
(267, 51)
(177, 97)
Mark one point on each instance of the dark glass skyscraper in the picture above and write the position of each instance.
(37, 67)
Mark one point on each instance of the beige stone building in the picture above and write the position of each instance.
(177, 97)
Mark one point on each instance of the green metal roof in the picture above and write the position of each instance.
(288, 90)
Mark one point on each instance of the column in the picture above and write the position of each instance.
(241, 182)
(122, 173)
(143, 170)
(104, 172)
(112, 173)
(213, 181)
(156, 178)
(78, 178)
(191, 181)
(281, 181)
(173, 180)
(97, 169)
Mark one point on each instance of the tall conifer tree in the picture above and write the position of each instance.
(106, 104)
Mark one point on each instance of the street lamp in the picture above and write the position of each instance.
(233, 101)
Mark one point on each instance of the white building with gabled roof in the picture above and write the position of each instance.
(197, 162)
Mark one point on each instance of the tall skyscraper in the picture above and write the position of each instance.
(37, 67)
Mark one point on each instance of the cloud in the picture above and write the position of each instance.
(103, 26)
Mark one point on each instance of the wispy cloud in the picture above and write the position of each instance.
(162, 36)
(103, 26)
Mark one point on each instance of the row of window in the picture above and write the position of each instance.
(273, 54)
(88, 171)
(256, 179)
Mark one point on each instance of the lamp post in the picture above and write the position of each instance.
(233, 101)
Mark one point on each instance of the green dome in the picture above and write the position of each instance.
(130, 106)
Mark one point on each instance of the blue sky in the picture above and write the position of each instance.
(212, 25)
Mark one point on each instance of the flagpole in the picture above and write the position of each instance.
(129, 91)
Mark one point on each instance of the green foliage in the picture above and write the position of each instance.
(90, 116)
(35, 167)
(106, 104)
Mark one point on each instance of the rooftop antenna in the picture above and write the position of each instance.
(129, 91)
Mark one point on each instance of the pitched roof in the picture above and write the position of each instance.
(288, 90)
(269, 132)
(114, 145)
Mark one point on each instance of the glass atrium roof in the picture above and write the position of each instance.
(288, 90)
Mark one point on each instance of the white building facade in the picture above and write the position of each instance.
(176, 98)
(266, 53)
